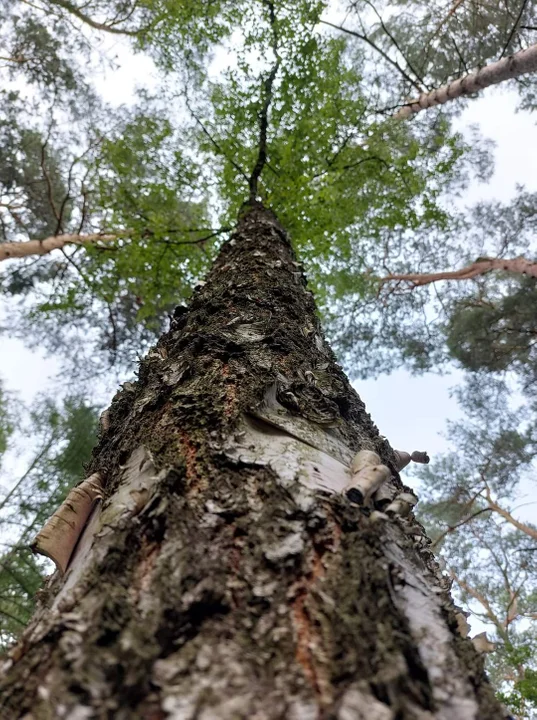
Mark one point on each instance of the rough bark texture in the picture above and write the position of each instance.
(212, 584)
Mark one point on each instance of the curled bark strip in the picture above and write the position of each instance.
(367, 476)
(364, 459)
(55, 242)
(520, 63)
(402, 505)
(58, 538)
(366, 482)
(482, 644)
(515, 265)
(401, 459)
(384, 495)
(420, 457)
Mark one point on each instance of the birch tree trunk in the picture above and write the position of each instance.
(224, 576)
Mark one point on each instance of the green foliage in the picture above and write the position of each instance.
(132, 179)
(61, 439)
(497, 332)
(340, 179)
(361, 197)
(490, 558)
(486, 323)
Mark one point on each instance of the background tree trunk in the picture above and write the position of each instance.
(221, 578)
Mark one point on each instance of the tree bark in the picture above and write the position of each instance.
(224, 575)
(517, 265)
(521, 63)
(28, 248)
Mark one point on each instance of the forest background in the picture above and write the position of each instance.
(126, 127)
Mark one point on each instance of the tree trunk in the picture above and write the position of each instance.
(224, 576)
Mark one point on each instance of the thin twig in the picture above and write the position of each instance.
(513, 30)
(452, 528)
(396, 44)
(214, 142)
(378, 49)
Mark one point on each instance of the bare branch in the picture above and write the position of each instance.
(515, 265)
(55, 242)
(482, 600)
(395, 43)
(521, 63)
(526, 529)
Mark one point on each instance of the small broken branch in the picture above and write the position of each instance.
(515, 265)
(521, 63)
(58, 538)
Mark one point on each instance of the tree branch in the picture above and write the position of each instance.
(55, 242)
(452, 528)
(520, 63)
(214, 142)
(70, 8)
(268, 83)
(395, 43)
(526, 529)
(515, 265)
(482, 600)
(444, 20)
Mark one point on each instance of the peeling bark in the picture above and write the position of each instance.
(57, 540)
(225, 575)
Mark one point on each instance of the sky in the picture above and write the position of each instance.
(411, 411)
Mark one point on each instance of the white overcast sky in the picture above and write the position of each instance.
(410, 411)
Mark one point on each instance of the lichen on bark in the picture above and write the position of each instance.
(210, 586)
